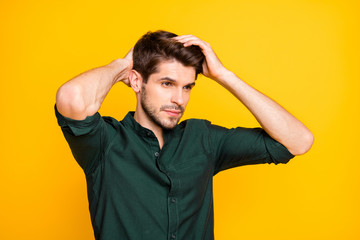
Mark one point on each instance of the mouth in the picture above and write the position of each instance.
(173, 113)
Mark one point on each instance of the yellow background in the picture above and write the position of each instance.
(304, 54)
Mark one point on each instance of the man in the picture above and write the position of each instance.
(149, 177)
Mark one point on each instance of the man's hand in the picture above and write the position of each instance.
(212, 66)
(83, 95)
(276, 121)
(127, 65)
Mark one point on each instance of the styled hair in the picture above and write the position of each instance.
(156, 47)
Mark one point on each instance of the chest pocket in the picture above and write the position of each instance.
(192, 176)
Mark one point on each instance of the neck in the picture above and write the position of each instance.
(143, 119)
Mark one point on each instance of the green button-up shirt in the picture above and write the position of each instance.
(138, 191)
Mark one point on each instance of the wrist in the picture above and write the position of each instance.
(223, 76)
(120, 69)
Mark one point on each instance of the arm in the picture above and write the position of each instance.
(276, 121)
(83, 95)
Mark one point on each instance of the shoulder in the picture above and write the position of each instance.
(111, 121)
(205, 125)
(199, 126)
(113, 126)
(195, 123)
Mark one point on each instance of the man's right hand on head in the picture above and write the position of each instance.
(127, 63)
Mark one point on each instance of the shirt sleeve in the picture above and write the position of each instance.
(245, 146)
(87, 138)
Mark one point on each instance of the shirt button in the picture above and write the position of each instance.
(156, 154)
(173, 236)
(173, 200)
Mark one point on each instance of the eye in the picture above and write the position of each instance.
(167, 84)
(188, 87)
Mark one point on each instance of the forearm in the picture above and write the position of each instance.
(276, 121)
(83, 95)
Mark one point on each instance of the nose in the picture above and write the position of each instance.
(177, 97)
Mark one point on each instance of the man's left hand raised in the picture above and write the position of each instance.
(212, 66)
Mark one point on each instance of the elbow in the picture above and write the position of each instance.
(69, 101)
(304, 144)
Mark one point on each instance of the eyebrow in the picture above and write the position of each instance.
(190, 84)
(168, 78)
(173, 80)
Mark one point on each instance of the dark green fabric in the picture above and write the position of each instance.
(137, 191)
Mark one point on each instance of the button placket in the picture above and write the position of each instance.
(173, 216)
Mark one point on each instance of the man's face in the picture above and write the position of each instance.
(165, 95)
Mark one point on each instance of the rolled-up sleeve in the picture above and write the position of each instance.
(86, 138)
(244, 146)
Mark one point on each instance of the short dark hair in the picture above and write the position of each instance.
(155, 47)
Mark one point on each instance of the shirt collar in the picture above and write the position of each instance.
(132, 123)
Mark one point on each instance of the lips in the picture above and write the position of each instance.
(173, 113)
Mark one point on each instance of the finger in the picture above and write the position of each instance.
(182, 36)
(192, 40)
(187, 38)
(196, 42)
(129, 54)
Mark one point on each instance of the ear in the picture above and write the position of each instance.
(135, 80)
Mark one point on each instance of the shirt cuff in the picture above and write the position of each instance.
(278, 152)
(77, 127)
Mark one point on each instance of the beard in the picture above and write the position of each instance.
(154, 114)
